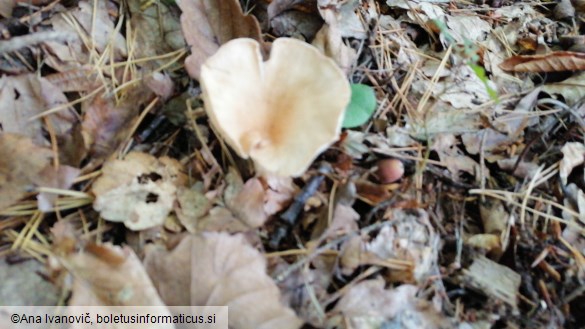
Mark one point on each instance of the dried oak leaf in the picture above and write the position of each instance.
(207, 24)
(107, 120)
(247, 205)
(330, 43)
(139, 190)
(396, 307)
(89, 21)
(21, 165)
(552, 62)
(111, 276)
(22, 97)
(345, 17)
(220, 269)
(157, 29)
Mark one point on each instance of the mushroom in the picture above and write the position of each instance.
(283, 112)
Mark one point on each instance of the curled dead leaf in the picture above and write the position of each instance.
(552, 62)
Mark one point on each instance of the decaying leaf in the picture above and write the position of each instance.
(158, 30)
(97, 280)
(60, 178)
(25, 96)
(139, 190)
(191, 206)
(208, 24)
(23, 285)
(21, 165)
(107, 121)
(553, 62)
(396, 307)
(330, 43)
(221, 269)
(343, 16)
(248, 204)
(573, 155)
(92, 20)
(410, 238)
(572, 89)
(278, 126)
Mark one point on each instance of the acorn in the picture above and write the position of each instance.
(390, 170)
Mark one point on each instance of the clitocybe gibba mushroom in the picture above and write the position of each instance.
(283, 112)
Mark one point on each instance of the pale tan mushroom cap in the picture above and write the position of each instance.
(282, 113)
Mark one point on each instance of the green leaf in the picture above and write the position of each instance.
(361, 107)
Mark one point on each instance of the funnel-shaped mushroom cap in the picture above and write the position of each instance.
(281, 113)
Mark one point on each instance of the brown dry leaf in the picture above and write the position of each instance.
(191, 206)
(25, 96)
(410, 237)
(372, 193)
(170, 271)
(253, 202)
(330, 43)
(572, 89)
(139, 190)
(157, 28)
(552, 62)
(344, 222)
(160, 84)
(92, 20)
(294, 18)
(462, 89)
(277, 7)
(573, 155)
(207, 24)
(21, 165)
(396, 307)
(110, 275)
(107, 121)
(223, 270)
(60, 178)
(248, 204)
(344, 16)
(453, 158)
(83, 78)
(221, 219)
(279, 192)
